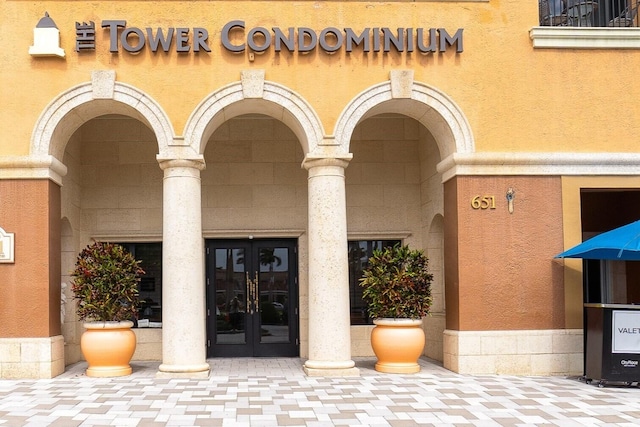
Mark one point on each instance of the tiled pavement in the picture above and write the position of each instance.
(275, 392)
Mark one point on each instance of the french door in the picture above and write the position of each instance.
(252, 298)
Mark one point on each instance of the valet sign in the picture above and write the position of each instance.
(626, 332)
(237, 36)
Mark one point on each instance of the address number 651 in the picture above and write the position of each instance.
(483, 202)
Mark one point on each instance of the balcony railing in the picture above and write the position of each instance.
(589, 13)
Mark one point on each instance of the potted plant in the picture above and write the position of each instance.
(397, 290)
(105, 284)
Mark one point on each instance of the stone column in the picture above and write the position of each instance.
(329, 312)
(183, 288)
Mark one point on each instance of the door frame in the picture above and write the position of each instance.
(253, 345)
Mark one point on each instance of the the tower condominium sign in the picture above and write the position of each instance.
(261, 39)
(237, 37)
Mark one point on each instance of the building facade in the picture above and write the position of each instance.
(258, 150)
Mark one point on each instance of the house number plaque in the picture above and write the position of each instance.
(483, 202)
(7, 245)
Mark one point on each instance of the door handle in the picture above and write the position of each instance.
(256, 293)
(253, 294)
(249, 293)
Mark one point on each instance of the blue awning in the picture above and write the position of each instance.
(622, 244)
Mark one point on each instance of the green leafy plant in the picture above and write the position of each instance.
(397, 283)
(105, 283)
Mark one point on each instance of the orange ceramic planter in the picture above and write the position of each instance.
(398, 344)
(108, 348)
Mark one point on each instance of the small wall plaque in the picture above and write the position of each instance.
(7, 246)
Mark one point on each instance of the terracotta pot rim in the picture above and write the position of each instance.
(108, 324)
(397, 322)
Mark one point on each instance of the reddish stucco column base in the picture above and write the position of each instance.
(31, 344)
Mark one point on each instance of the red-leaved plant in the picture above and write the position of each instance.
(397, 283)
(105, 283)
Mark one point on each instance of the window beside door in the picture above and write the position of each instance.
(359, 253)
(150, 287)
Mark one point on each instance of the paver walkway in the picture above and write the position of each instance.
(275, 392)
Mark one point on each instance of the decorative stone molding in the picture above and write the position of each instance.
(435, 110)
(167, 164)
(585, 37)
(311, 162)
(66, 113)
(494, 163)
(275, 101)
(401, 83)
(103, 83)
(32, 167)
(252, 83)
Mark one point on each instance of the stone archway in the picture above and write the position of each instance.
(103, 95)
(447, 134)
(56, 127)
(402, 95)
(182, 244)
(253, 94)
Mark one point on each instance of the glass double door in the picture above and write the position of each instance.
(252, 298)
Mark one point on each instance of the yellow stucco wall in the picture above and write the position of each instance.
(514, 97)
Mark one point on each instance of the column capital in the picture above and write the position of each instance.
(312, 161)
(181, 163)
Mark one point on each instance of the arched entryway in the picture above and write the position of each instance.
(316, 200)
(398, 133)
(254, 220)
(253, 135)
(105, 136)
